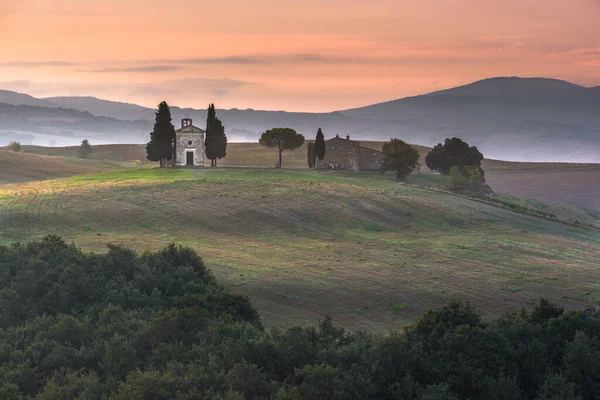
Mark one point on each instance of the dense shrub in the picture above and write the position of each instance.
(15, 146)
(453, 153)
(120, 325)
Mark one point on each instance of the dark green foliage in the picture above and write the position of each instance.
(120, 325)
(399, 157)
(282, 139)
(453, 153)
(85, 149)
(320, 148)
(311, 157)
(522, 209)
(15, 146)
(216, 140)
(162, 137)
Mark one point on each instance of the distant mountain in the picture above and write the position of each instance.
(533, 119)
(14, 98)
(520, 119)
(103, 108)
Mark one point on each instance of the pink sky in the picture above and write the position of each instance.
(310, 55)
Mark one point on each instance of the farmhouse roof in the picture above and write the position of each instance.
(353, 143)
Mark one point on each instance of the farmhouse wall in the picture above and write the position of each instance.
(370, 159)
(349, 155)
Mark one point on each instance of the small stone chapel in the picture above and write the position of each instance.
(189, 145)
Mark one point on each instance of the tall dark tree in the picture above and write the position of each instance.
(162, 137)
(216, 139)
(85, 149)
(400, 157)
(453, 153)
(320, 149)
(282, 139)
(311, 156)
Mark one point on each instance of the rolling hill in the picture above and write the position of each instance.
(517, 119)
(370, 252)
(23, 167)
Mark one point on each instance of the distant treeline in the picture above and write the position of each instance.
(76, 325)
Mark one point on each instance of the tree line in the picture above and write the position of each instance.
(84, 150)
(158, 325)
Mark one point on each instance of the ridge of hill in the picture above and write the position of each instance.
(517, 119)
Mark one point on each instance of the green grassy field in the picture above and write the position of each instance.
(369, 251)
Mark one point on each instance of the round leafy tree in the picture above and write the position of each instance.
(400, 157)
(282, 139)
(453, 153)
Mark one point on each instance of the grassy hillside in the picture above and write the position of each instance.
(23, 167)
(368, 251)
(572, 184)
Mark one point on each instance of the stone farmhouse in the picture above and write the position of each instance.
(350, 155)
(189, 145)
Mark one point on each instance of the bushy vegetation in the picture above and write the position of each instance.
(522, 209)
(15, 146)
(470, 177)
(400, 157)
(454, 153)
(120, 325)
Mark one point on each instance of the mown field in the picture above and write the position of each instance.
(368, 251)
(238, 154)
(23, 167)
(559, 183)
(575, 185)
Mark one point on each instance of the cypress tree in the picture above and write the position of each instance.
(85, 149)
(162, 137)
(209, 140)
(310, 154)
(216, 140)
(320, 145)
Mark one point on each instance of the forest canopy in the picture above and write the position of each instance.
(122, 325)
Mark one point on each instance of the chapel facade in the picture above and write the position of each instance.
(189, 145)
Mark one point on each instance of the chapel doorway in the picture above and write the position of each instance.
(190, 158)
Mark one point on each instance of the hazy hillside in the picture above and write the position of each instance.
(507, 118)
(104, 108)
(10, 97)
(518, 119)
(40, 125)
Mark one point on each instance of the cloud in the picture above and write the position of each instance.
(55, 9)
(191, 87)
(194, 90)
(234, 60)
(144, 69)
(316, 58)
(36, 64)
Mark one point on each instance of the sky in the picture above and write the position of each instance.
(309, 55)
